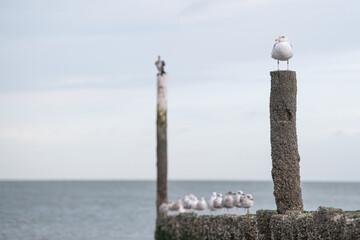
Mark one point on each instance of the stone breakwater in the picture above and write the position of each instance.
(324, 223)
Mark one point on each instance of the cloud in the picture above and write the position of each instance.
(74, 114)
(348, 132)
(210, 10)
(36, 134)
(81, 76)
(79, 17)
(76, 81)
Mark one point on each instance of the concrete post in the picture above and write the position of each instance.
(161, 123)
(284, 146)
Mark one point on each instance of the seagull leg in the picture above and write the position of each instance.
(278, 65)
(288, 65)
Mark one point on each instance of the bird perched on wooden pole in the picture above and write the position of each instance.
(160, 66)
(282, 50)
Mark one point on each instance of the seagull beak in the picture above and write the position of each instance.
(276, 40)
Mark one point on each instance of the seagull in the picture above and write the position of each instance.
(237, 197)
(282, 50)
(201, 205)
(176, 206)
(193, 201)
(181, 209)
(211, 202)
(218, 201)
(160, 66)
(241, 202)
(164, 207)
(228, 201)
(248, 202)
(187, 204)
(169, 205)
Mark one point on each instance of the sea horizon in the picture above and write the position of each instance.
(125, 209)
(169, 180)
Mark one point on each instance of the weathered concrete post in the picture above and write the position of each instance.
(161, 122)
(284, 145)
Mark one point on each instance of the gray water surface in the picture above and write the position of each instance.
(92, 210)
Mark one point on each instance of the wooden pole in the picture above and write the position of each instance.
(161, 122)
(284, 145)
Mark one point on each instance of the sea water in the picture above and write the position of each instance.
(107, 210)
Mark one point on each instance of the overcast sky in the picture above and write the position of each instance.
(78, 87)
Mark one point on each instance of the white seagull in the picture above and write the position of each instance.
(282, 50)
(182, 210)
(237, 197)
(186, 203)
(228, 201)
(193, 201)
(176, 206)
(218, 201)
(201, 205)
(248, 202)
(164, 207)
(211, 202)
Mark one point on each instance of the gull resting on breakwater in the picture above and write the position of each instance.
(211, 202)
(201, 205)
(228, 201)
(248, 202)
(282, 50)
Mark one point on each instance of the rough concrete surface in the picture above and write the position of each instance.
(324, 223)
(284, 144)
(281, 227)
(263, 218)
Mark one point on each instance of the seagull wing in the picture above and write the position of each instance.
(272, 52)
(275, 45)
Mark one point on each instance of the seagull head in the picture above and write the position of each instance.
(249, 196)
(281, 38)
